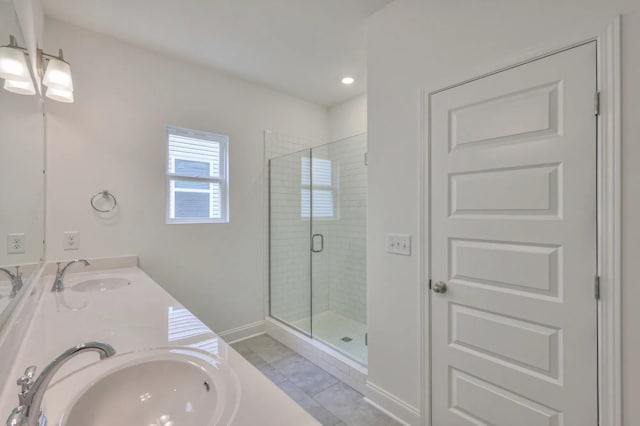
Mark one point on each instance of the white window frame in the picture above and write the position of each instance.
(223, 179)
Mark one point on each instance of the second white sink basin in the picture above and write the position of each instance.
(168, 388)
(101, 284)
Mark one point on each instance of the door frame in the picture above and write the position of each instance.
(608, 45)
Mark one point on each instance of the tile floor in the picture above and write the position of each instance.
(325, 397)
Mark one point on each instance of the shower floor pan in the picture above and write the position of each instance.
(331, 328)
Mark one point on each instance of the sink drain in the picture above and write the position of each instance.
(346, 339)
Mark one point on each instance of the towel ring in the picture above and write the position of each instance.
(105, 194)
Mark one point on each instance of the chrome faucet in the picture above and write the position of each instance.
(16, 281)
(58, 285)
(32, 391)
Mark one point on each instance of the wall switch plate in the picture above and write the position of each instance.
(399, 244)
(15, 243)
(71, 240)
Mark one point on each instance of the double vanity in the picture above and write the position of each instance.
(106, 345)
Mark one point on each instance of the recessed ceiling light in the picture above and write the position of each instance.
(348, 80)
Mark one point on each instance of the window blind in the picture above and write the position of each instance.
(319, 169)
(317, 193)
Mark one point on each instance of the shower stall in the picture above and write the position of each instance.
(317, 243)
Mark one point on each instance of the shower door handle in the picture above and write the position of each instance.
(313, 243)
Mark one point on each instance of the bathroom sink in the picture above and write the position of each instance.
(180, 387)
(101, 284)
(151, 393)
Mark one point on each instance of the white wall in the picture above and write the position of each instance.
(630, 220)
(348, 118)
(427, 44)
(113, 137)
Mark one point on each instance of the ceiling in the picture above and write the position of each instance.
(302, 47)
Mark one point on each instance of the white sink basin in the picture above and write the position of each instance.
(101, 284)
(176, 387)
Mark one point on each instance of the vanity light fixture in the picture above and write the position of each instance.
(348, 81)
(59, 95)
(57, 78)
(20, 87)
(13, 63)
(57, 72)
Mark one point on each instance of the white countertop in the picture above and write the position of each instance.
(134, 318)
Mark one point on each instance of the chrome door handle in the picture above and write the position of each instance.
(440, 287)
(313, 245)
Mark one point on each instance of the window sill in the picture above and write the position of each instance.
(195, 222)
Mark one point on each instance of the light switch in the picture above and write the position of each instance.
(15, 243)
(71, 240)
(399, 244)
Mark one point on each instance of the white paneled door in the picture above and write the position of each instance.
(513, 246)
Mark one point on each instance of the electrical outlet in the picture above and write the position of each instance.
(15, 243)
(399, 244)
(71, 240)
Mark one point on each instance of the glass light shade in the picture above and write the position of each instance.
(13, 64)
(60, 95)
(58, 75)
(20, 87)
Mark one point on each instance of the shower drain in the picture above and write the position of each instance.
(346, 339)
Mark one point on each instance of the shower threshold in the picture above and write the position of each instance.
(327, 356)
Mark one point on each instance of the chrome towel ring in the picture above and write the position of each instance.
(107, 195)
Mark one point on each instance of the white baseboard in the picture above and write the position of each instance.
(398, 409)
(330, 360)
(243, 332)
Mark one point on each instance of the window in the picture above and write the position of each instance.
(197, 177)
(317, 173)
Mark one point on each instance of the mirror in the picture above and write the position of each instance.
(21, 179)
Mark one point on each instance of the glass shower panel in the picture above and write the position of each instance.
(290, 239)
(338, 227)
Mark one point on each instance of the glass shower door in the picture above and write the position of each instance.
(338, 262)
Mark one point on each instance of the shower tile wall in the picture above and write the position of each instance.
(276, 145)
(290, 269)
(347, 235)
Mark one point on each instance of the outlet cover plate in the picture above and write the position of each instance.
(71, 240)
(399, 244)
(15, 243)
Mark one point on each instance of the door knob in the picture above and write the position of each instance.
(440, 287)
